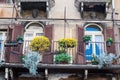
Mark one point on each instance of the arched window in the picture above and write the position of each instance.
(32, 30)
(96, 45)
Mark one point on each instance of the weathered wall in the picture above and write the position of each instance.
(117, 8)
(58, 11)
(7, 11)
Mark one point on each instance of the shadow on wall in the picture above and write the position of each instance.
(91, 77)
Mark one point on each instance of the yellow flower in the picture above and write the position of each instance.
(40, 43)
(67, 42)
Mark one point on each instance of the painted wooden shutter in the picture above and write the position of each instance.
(48, 56)
(16, 52)
(81, 49)
(109, 32)
(8, 49)
(49, 31)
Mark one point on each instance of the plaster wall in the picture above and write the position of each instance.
(7, 11)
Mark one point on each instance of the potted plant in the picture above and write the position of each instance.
(109, 41)
(40, 44)
(94, 60)
(67, 42)
(19, 39)
(86, 39)
(62, 58)
(31, 60)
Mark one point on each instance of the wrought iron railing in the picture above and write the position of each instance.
(97, 48)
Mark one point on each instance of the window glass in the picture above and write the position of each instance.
(39, 34)
(92, 28)
(29, 35)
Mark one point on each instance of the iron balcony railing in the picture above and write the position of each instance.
(92, 48)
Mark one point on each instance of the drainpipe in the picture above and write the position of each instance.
(52, 46)
(6, 74)
(114, 26)
(65, 22)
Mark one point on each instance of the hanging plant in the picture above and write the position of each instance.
(109, 41)
(40, 44)
(67, 42)
(31, 60)
(86, 39)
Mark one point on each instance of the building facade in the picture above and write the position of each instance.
(58, 19)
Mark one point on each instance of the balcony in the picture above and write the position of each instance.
(103, 47)
(30, 9)
(51, 2)
(77, 57)
(93, 9)
(75, 64)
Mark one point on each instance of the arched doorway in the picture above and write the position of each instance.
(32, 30)
(96, 45)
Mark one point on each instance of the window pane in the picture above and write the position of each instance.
(39, 34)
(93, 28)
(29, 35)
(99, 46)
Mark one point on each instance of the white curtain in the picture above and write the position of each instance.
(99, 45)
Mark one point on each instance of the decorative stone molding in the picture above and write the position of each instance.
(52, 3)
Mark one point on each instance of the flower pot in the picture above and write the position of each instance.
(108, 44)
(86, 42)
(20, 41)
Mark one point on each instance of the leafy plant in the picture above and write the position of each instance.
(40, 44)
(22, 57)
(94, 59)
(31, 60)
(106, 59)
(62, 58)
(86, 38)
(67, 42)
(109, 39)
